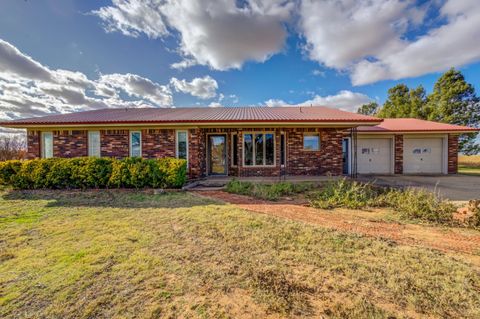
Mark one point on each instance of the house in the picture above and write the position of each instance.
(251, 141)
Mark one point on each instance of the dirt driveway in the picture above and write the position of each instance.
(460, 242)
(454, 187)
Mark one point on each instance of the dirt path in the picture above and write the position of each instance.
(450, 240)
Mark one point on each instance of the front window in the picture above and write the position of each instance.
(136, 144)
(259, 149)
(94, 143)
(311, 142)
(182, 145)
(47, 144)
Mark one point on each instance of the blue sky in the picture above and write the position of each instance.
(262, 52)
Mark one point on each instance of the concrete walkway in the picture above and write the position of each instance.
(454, 187)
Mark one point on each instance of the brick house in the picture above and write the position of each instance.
(251, 141)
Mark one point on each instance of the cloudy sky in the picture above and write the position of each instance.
(63, 56)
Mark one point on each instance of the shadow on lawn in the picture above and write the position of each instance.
(115, 198)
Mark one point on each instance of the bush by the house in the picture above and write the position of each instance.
(345, 193)
(410, 203)
(60, 173)
(267, 191)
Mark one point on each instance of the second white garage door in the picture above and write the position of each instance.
(374, 156)
(423, 155)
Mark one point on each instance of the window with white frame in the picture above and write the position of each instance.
(47, 144)
(311, 141)
(94, 143)
(259, 149)
(135, 144)
(182, 145)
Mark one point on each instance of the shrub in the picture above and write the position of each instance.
(419, 204)
(345, 193)
(410, 203)
(266, 191)
(60, 173)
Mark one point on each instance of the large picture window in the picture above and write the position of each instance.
(182, 145)
(259, 149)
(47, 144)
(311, 141)
(136, 144)
(94, 143)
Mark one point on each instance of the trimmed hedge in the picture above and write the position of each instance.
(89, 172)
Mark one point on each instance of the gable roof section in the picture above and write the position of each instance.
(316, 114)
(414, 125)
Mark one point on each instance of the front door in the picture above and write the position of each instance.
(217, 153)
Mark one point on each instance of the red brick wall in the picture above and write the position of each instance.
(114, 143)
(158, 143)
(33, 144)
(161, 143)
(452, 154)
(328, 160)
(70, 143)
(398, 154)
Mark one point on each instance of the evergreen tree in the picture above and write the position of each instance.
(404, 102)
(454, 101)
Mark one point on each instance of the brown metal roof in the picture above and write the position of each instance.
(197, 115)
(414, 125)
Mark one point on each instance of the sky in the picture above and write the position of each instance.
(65, 55)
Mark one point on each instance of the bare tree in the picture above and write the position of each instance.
(12, 146)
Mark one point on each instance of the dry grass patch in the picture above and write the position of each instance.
(104, 254)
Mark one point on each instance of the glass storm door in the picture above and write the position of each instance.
(217, 155)
(346, 155)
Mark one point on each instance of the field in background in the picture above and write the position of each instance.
(469, 164)
(104, 254)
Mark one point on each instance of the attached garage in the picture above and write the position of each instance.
(375, 155)
(424, 155)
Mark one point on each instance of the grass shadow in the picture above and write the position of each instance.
(113, 198)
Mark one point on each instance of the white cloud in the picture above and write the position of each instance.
(215, 104)
(204, 88)
(276, 102)
(453, 44)
(218, 33)
(28, 88)
(343, 100)
(132, 17)
(369, 38)
(139, 87)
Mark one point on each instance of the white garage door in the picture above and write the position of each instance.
(374, 156)
(423, 155)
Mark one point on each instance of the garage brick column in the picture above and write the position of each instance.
(398, 154)
(452, 154)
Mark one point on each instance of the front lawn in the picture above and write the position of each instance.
(104, 254)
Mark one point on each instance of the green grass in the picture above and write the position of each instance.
(104, 254)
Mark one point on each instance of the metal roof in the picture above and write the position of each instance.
(414, 125)
(198, 115)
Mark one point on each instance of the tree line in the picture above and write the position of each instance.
(452, 101)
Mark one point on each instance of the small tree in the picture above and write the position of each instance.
(368, 109)
(12, 146)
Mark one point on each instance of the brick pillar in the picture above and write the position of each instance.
(196, 153)
(398, 154)
(452, 154)
(33, 144)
